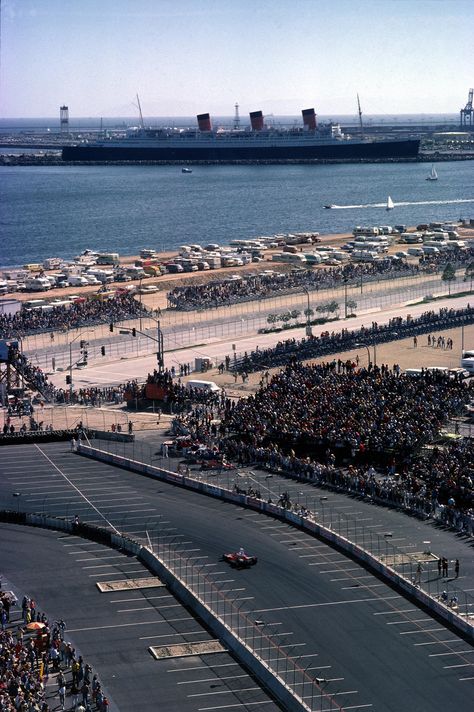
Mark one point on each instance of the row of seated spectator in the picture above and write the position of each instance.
(62, 318)
(343, 340)
(227, 291)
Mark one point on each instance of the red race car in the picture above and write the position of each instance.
(240, 559)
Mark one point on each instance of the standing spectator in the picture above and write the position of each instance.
(456, 568)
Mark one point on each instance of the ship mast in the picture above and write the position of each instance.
(360, 118)
(142, 125)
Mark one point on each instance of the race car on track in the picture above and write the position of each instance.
(240, 559)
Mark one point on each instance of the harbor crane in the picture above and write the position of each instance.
(467, 114)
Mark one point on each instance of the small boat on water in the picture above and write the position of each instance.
(186, 170)
(328, 207)
(433, 175)
(390, 205)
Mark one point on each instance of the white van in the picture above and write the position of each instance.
(206, 386)
(363, 256)
(430, 250)
(415, 251)
(77, 280)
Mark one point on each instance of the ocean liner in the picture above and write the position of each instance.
(255, 143)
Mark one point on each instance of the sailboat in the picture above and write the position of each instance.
(390, 205)
(433, 175)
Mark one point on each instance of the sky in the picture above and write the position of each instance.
(184, 57)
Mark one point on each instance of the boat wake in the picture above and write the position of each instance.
(402, 203)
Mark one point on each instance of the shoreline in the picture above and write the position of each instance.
(52, 159)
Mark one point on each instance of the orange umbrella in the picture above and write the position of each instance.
(36, 625)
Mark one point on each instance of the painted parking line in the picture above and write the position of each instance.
(339, 571)
(421, 630)
(240, 704)
(117, 573)
(458, 652)
(94, 558)
(148, 608)
(129, 625)
(379, 599)
(391, 613)
(411, 620)
(203, 667)
(352, 578)
(326, 563)
(138, 598)
(211, 679)
(438, 642)
(364, 585)
(225, 692)
(450, 667)
(167, 635)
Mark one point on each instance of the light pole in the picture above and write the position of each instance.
(309, 331)
(368, 352)
(70, 357)
(345, 297)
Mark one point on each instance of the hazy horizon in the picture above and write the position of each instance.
(279, 56)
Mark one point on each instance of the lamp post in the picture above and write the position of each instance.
(17, 495)
(309, 331)
(368, 352)
(70, 356)
(345, 297)
(365, 346)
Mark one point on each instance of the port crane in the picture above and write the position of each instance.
(467, 114)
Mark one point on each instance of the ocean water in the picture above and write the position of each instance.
(62, 210)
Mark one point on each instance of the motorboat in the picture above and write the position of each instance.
(186, 170)
(328, 207)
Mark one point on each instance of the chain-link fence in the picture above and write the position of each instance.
(91, 418)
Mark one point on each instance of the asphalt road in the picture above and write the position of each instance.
(113, 631)
(374, 649)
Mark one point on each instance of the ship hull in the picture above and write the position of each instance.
(337, 151)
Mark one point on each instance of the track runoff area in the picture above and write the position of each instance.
(368, 646)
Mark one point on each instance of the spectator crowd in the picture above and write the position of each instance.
(84, 312)
(33, 655)
(359, 414)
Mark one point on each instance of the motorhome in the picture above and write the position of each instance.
(289, 257)
(108, 258)
(363, 256)
(52, 263)
(37, 284)
(360, 230)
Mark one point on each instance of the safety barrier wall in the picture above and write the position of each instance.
(332, 537)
